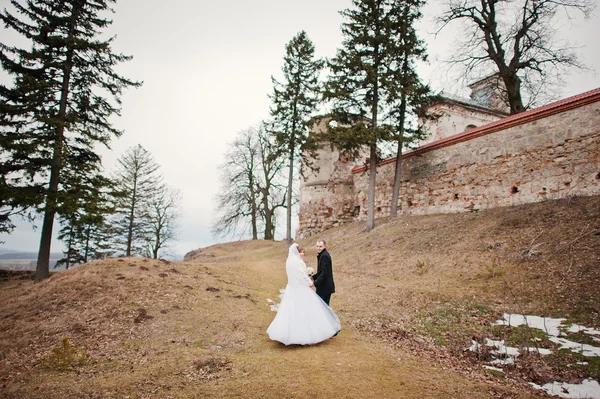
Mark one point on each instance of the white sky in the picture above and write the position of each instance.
(206, 68)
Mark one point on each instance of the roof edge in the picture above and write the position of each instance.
(544, 111)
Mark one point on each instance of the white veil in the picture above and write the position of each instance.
(293, 251)
(295, 267)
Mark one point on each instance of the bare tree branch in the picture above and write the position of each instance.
(516, 39)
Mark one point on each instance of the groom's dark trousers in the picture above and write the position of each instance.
(325, 296)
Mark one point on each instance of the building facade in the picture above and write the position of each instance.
(550, 152)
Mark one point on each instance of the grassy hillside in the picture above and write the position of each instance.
(411, 296)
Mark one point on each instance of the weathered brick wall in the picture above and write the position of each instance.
(548, 158)
(327, 202)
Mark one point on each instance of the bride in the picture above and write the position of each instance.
(302, 318)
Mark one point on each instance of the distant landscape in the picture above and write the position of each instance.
(19, 260)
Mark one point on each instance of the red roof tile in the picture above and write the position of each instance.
(514, 120)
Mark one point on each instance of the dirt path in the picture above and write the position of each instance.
(197, 329)
(350, 365)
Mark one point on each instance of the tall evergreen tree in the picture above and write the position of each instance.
(363, 79)
(86, 237)
(65, 91)
(294, 101)
(138, 181)
(84, 212)
(409, 98)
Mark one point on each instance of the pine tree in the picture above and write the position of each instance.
(363, 79)
(138, 181)
(410, 98)
(64, 93)
(83, 215)
(294, 101)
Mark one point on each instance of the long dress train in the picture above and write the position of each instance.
(302, 318)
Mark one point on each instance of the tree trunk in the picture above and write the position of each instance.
(371, 196)
(288, 230)
(87, 244)
(397, 182)
(513, 93)
(268, 216)
(254, 216)
(43, 262)
(69, 247)
(398, 171)
(131, 219)
(373, 146)
(157, 238)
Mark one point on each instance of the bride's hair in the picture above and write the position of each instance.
(300, 249)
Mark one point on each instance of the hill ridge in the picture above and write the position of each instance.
(196, 328)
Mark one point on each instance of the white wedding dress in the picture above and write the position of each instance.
(302, 318)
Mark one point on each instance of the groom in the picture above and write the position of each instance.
(323, 278)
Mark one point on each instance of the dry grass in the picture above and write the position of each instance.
(408, 294)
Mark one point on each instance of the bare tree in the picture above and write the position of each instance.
(517, 40)
(237, 200)
(250, 192)
(163, 216)
(273, 192)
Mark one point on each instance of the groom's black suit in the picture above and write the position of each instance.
(323, 278)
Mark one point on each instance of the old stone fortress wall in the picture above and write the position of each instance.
(476, 157)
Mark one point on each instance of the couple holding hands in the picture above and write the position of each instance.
(304, 317)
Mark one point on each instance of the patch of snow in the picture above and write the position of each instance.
(575, 328)
(501, 349)
(547, 324)
(505, 354)
(576, 347)
(509, 361)
(552, 327)
(588, 389)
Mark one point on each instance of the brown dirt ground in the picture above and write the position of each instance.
(195, 329)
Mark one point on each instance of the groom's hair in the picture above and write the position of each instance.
(323, 241)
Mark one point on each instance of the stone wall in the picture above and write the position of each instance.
(548, 153)
(327, 194)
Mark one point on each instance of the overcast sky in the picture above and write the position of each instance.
(206, 68)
